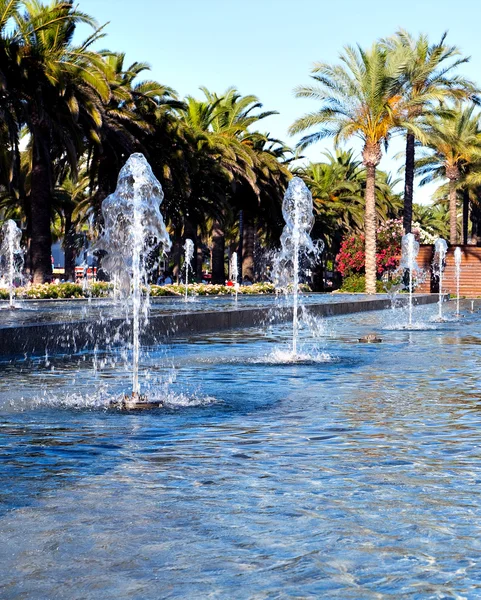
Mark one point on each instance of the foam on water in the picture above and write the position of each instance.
(107, 400)
(281, 356)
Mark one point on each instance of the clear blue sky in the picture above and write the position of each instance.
(267, 47)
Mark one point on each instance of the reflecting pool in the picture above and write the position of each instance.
(354, 474)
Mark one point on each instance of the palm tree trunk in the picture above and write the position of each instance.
(177, 252)
(453, 234)
(218, 253)
(248, 247)
(371, 156)
(370, 230)
(465, 215)
(69, 246)
(241, 246)
(408, 184)
(28, 235)
(40, 214)
(199, 258)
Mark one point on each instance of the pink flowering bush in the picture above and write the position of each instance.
(351, 257)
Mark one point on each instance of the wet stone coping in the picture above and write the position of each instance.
(69, 337)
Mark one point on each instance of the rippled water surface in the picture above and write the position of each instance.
(353, 474)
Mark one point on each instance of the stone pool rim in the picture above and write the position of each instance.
(71, 337)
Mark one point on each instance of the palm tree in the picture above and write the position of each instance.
(265, 221)
(231, 169)
(234, 114)
(359, 98)
(211, 162)
(454, 141)
(57, 89)
(129, 120)
(71, 194)
(428, 82)
(433, 218)
(338, 194)
(338, 191)
(9, 126)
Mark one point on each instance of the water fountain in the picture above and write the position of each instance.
(297, 210)
(12, 254)
(188, 256)
(234, 273)
(440, 250)
(133, 228)
(457, 272)
(409, 252)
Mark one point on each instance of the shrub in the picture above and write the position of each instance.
(356, 284)
(351, 257)
(102, 289)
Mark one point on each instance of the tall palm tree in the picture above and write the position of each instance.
(58, 88)
(359, 98)
(454, 141)
(428, 82)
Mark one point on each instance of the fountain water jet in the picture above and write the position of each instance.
(10, 249)
(440, 250)
(457, 271)
(133, 228)
(234, 273)
(189, 255)
(297, 210)
(409, 252)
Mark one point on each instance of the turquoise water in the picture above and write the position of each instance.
(355, 474)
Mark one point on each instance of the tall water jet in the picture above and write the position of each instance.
(440, 250)
(297, 210)
(188, 256)
(133, 228)
(11, 251)
(234, 273)
(457, 272)
(409, 252)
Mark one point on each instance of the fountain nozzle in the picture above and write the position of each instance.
(136, 401)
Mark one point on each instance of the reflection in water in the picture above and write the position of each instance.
(354, 478)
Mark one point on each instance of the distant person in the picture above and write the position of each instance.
(168, 279)
(246, 281)
(161, 279)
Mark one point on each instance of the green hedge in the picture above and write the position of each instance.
(103, 290)
(357, 284)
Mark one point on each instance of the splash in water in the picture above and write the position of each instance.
(297, 210)
(12, 254)
(133, 229)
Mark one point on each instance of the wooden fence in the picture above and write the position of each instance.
(470, 281)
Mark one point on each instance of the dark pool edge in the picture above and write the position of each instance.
(39, 339)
